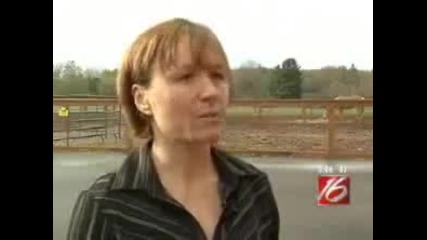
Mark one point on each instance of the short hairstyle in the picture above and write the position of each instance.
(157, 45)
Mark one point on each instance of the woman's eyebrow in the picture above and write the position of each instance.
(215, 66)
(182, 67)
(173, 68)
(218, 65)
(189, 67)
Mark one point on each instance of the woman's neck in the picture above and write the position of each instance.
(183, 161)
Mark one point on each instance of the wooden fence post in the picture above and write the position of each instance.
(119, 130)
(331, 129)
(106, 120)
(67, 124)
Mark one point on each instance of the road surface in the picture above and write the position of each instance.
(294, 184)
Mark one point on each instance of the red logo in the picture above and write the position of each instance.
(333, 190)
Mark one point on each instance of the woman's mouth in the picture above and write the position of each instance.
(210, 115)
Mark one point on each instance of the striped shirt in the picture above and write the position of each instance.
(132, 204)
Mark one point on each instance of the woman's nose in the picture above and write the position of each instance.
(208, 88)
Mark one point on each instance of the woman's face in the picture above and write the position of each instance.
(188, 102)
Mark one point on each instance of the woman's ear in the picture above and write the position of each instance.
(140, 96)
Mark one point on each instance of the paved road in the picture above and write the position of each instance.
(294, 183)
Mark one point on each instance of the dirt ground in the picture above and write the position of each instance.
(268, 134)
(298, 136)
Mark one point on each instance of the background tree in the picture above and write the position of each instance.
(287, 80)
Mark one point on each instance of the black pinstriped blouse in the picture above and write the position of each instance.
(132, 204)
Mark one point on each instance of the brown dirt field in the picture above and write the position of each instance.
(270, 134)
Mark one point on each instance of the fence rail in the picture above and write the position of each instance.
(302, 127)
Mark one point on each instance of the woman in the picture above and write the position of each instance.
(174, 88)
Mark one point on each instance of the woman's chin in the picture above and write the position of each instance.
(211, 137)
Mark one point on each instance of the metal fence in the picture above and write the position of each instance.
(311, 127)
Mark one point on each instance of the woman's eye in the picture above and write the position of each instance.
(218, 76)
(185, 77)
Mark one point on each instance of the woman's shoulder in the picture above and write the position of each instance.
(102, 182)
(106, 181)
(98, 188)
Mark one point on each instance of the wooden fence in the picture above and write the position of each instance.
(278, 127)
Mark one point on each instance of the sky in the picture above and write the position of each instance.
(95, 33)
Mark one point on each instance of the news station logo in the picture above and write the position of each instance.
(333, 189)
